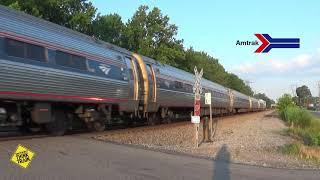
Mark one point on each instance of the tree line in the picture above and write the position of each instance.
(264, 97)
(148, 32)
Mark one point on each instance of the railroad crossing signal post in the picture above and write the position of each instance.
(207, 126)
(196, 120)
(197, 89)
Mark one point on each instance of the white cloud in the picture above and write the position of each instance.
(303, 60)
(307, 64)
(275, 76)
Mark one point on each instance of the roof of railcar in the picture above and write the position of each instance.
(49, 26)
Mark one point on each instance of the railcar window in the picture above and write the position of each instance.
(242, 100)
(214, 93)
(218, 94)
(189, 88)
(78, 62)
(62, 58)
(15, 48)
(178, 85)
(25, 50)
(35, 52)
(69, 60)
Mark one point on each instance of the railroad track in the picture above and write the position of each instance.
(16, 135)
(171, 125)
(110, 130)
(145, 128)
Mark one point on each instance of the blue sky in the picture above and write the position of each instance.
(215, 26)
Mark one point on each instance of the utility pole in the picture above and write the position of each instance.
(293, 88)
(248, 83)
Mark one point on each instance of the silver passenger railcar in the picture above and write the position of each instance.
(52, 77)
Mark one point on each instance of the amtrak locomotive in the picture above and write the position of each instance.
(51, 77)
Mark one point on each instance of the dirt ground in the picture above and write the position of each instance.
(252, 138)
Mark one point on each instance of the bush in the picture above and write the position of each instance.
(302, 123)
(297, 117)
(310, 135)
(283, 103)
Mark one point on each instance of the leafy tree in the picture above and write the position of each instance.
(234, 82)
(212, 69)
(150, 33)
(74, 14)
(108, 28)
(295, 99)
(284, 102)
(265, 98)
(303, 92)
(304, 95)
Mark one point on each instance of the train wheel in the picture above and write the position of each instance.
(171, 117)
(34, 129)
(152, 119)
(59, 124)
(98, 126)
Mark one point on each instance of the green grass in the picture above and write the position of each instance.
(292, 149)
(297, 117)
(302, 151)
(309, 135)
(302, 125)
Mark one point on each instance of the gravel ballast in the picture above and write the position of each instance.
(252, 138)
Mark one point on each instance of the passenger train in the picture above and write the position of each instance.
(51, 77)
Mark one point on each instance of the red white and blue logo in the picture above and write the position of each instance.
(269, 43)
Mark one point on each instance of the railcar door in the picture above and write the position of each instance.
(250, 103)
(152, 84)
(140, 88)
(152, 89)
(134, 79)
(133, 86)
(143, 83)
